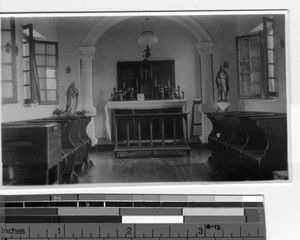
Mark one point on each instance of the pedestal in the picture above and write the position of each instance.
(222, 106)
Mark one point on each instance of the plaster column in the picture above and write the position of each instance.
(205, 52)
(87, 54)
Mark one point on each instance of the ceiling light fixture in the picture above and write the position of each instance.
(147, 37)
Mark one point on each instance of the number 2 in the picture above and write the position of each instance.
(129, 229)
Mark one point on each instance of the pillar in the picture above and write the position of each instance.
(87, 54)
(205, 52)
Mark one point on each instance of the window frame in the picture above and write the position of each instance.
(14, 52)
(266, 48)
(238, 66)
(264, 80)
(35, 90)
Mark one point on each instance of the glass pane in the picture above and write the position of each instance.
(51, 49)
(51, 95)
(51, 83)
(7, 72)
(27, 92)
(244, 54)
(6, 55)
(245, 78)
(244, 90)
(40, 60)
(40, 48)
(270, 40)
(42, 83)
(272, 87)
(41, 72)
(244, 66)
(254, 42)
(270, 28)
(270, 31)
(255, 65)
(5, 23)
(255, 78)
(243, 43)
(7, 89)
(270, 56)
(271, 70)
(26, 65)
(255, 53)
(255, 89)
(26, 77)
(43, 95)
(25, 49)
(6, 38)
(51, 61)
(50, 72)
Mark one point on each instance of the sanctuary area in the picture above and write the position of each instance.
(93, 98)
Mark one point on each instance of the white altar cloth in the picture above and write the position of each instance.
(141, 105)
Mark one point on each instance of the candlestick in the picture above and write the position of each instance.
(124, 86)
(137, 85)
(155, 82)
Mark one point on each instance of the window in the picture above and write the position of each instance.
(256, 63)
(8, 61)
(40, 67)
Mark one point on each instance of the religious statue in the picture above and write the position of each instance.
(222, 84)
(72, 99)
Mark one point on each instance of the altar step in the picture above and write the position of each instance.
(108, 145)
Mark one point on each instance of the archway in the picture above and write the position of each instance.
(202, 37)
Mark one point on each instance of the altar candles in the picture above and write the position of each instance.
(155, 82)
(168, 83)
(124, 85)
(137, 85)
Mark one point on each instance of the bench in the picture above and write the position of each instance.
(248, 145)
(74, 144)
(31, 153)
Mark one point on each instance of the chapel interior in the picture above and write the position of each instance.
(144, 98)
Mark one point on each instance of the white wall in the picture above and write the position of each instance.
(222, 29)
(71, 31)
(18, 111)
(120, 44)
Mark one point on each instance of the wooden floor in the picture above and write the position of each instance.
(142, 167)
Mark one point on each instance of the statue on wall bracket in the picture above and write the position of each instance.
(222, 82)
(72, 99)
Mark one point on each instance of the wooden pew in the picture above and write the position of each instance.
(242, 142)
(86, 140)
(76, 145)
(68, 150)
(31, 153)
(271, 153)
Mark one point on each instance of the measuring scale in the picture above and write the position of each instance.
(123, 216)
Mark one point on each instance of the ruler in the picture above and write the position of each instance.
(124, 216)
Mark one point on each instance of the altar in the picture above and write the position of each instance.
(147, 106)
(150, 125)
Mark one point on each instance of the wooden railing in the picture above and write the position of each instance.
(151, 144)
